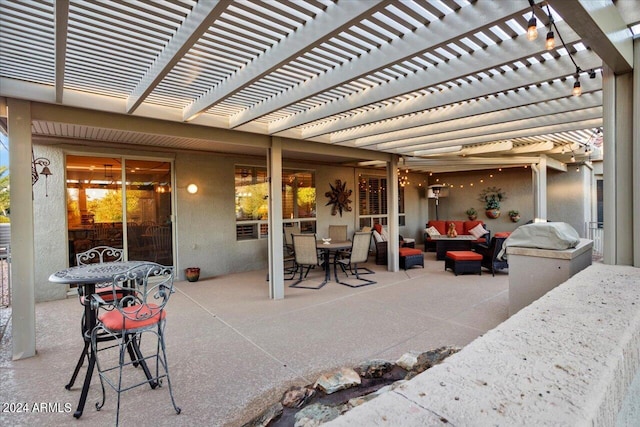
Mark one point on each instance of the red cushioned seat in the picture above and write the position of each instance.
(503, 234)
(409, 251)
(463, 262)
(464, 255)
(140, 316)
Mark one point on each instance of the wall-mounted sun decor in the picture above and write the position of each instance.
(339, 198)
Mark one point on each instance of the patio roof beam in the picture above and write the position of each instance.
(495, 56)
(99, 119)
(525, 77)
(542, 110)
(488, 132)
(468, 19)
(499, 102)
(599, 23)
(61, 26)
(336, 18)
(293, 145)
(533, 131)
(193, 27)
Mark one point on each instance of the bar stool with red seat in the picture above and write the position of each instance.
(96, 255)
(141, 311)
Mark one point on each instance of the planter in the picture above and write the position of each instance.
(515, 218)
(492, 213)
(192, 274)
(472, 217)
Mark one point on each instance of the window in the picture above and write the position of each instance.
(372, 201)
(252, 197)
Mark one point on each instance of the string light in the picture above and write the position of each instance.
(550, 43)
(532, 26)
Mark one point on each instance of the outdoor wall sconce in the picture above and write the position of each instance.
(192, 189)
(44, 163)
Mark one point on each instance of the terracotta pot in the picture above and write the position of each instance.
(492, 213)
(192, 274)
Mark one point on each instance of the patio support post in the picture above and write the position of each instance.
(276, 244)
(393, 256)
(636, 151)
(618, 167)
(23, 319)
(539, 177)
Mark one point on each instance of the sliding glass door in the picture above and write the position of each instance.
(135, 216)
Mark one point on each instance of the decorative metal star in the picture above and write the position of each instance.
(339, 198)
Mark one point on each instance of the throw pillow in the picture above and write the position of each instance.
(432, 231)
(384, 234)
(377, 237)
(478, 231)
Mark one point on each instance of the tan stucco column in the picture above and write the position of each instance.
(618, 156)
(393, 256)
(539, 178)
(276, 244)
(23, 320)
(636, 152)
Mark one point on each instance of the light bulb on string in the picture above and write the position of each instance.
(550, 43)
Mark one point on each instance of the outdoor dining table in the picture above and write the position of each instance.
(329, 247)
(86, 277)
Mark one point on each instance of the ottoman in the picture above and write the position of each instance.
(410, 257)
(463, 262)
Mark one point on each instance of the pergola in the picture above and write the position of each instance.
(437, 85)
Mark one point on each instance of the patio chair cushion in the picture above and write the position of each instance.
(136, 317)
(409, 251)
(464, 255)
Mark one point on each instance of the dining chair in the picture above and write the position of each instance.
(306, 257)
(358, 254)
(141, 312)
(161, 238)
(338, 233)
(288, 231)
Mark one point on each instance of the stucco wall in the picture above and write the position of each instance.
(568, 196)
(50, 226)
(515, 182)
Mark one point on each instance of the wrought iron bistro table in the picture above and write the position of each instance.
(329, 247)
(86, 277)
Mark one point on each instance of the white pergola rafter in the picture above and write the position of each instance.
(486, 132)
(562, 127)
(498, 102)
(468, 121)
(600, 25)
(336, 18)
(534, 74)
(194, 26)
(61, 28)
(467, 19)
(507, 52)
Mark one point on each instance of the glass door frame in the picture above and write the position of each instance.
(123, 158)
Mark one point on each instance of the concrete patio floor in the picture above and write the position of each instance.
(232, 351)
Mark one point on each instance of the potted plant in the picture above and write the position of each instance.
(192, 274)
(472, 214)
(514, 215)
(492, 196)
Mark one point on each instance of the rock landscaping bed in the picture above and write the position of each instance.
(336, 392)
